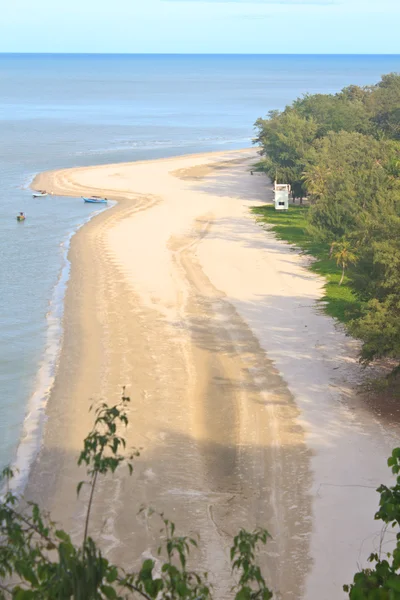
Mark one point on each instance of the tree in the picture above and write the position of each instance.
(286, 145)
(40, 561)
(379, 329)
(344, 181)
(376, 280)
(342, 152)
(315, 179)
(384, 106)
(344, 256)
(340, 112)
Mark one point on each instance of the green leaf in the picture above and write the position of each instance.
(63, 536)
(112, 575)
(394, 583)
(243, 594)
(27, 573)
(109, 592)
(147, 569)
(23, 595)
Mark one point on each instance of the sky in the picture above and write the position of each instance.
(201, 26)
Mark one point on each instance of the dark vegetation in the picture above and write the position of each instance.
(342, 152)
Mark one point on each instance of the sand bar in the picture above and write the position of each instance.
(242, 389)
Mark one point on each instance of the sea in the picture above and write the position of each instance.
(70, 110)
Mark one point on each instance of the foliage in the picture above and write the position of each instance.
(348, 177)
(379, 327)
(286, 142)
(382, 580)
(344, 155)
(383, 104)
(251, 584)
(340, 112)
(344, 256)
(38, 560)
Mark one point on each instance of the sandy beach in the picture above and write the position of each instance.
(243, 391)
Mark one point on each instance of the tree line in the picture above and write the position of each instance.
(342, 152)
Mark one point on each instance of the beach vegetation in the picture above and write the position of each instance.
(344, 158)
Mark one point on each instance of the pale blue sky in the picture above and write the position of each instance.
(201, 26)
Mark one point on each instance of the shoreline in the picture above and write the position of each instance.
(47, 178)
(32, 427)
(202, 342)
(33, 423)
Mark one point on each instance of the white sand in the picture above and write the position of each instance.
(190, 252)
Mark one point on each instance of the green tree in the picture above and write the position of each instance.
(344, 255)
(342, 151)
(384, 106)
(349, 174)
(315, 179)
(377, 279)
(286, 145)
(340, 112)
(379, 329)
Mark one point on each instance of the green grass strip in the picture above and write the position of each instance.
(292, 227)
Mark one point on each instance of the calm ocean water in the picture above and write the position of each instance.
(75, 110)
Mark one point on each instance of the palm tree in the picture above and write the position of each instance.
(315, 180)
(344, 256)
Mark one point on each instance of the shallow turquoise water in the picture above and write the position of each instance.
(76, 110)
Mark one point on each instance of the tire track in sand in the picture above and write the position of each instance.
(245, 421)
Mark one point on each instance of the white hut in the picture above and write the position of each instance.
(282, 191)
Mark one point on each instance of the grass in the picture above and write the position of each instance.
(292, 227)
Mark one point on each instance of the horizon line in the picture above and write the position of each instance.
(198, 53)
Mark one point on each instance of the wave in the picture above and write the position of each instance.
(126, 145)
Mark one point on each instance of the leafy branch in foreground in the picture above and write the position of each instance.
(251, 582)
(40, 561)
(101, 448)
(382, 581)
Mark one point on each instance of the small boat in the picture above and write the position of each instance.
(39, 194)
(21, 217)
(95, 200)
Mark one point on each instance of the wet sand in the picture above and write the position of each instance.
(242, 389)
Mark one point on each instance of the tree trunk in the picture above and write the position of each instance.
(342, 277)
